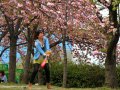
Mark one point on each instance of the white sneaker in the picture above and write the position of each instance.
(36, 84)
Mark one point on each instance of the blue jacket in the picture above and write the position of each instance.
(39, 50)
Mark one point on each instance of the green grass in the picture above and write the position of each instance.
(43, 87)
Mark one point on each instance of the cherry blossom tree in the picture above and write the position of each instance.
(68, 17)
(112, 29)
(70, 20)
(13, 15)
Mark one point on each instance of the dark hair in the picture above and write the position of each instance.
(37, 32)
(2, 72)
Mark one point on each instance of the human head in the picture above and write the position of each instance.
(38, 32)
(2, 73)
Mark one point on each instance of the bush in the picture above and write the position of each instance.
(56, 74)
(85, 76)
(78, 75)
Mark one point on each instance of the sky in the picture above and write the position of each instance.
(5, 56)
(104, 12)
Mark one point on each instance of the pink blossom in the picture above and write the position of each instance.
(34, 13)
(19, 5)
(96, 52)
(102, 24)
(50, 4)
(69, 22)
(58, 12)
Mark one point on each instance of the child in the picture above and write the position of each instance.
(3, 77)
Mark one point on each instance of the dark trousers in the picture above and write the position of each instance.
(36, 69)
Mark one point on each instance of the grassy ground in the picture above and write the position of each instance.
(42, 87)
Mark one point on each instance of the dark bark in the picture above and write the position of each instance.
(110, 62)
(13, 41)
(28, 57)
(12, 61)
(30, 39)
(65, 58)
(55, 43)
(65, 65)
(27, 64)
(64, 48)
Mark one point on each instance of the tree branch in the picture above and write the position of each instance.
(105, 3)
(18, 24)
(9, 47)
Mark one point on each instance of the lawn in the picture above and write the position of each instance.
(43, 87)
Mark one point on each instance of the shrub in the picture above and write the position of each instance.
(78, 75)
(56, 74)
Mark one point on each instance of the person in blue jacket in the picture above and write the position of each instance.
(41, 51)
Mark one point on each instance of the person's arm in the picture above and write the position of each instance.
(38, 46)
(47, 44)
(47, 47)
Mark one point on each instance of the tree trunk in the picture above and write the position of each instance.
(65, 66)
(12, 61)
(110, 62)
(27, 65)
(64, 47)
(28, 57)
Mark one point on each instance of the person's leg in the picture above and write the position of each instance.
(35, 70)
(47, 73)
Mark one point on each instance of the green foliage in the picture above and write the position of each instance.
(4, 67)
(86, 76)
(56, 73)
(19, 72)
(115, 4)
(92, 1)
(78, 75)
(103, 50)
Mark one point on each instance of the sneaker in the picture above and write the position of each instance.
(36, 84)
